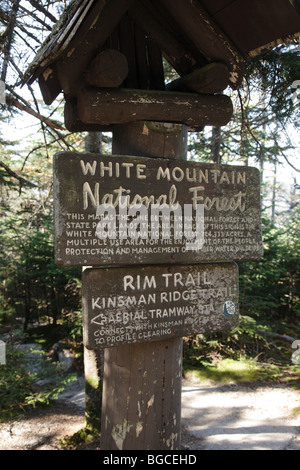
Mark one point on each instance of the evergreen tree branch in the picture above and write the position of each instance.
(35, 17)
(23, 107)
(21, 179)
(43, 10)
(8, 34)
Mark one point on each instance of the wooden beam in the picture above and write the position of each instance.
(142, 58)
(124, 105)
(49, 84)
(127, 47)
(137, 138)
(213, 78)
(206, 36)
(149, 62)
(58, 41)
(98, 25)
(156, 69)
(141, 407)
(74, 124)
(107, 70)
(113, 41)
(172, 49)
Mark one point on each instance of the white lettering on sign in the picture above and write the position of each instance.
(92, 196)
(126, 305)
(207, 176)
(134, 210)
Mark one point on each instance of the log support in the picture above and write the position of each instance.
(123, 106)
(211, 79)
(108, 69)
(74, 124)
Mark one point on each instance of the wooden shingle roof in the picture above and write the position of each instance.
(189, 34)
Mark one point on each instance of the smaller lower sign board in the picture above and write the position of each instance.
(151, 303)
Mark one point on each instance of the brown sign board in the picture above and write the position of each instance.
(229, 224)
(149, 303)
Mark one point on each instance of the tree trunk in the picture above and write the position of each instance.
(274, 193)
(216, 139)
(8, 38)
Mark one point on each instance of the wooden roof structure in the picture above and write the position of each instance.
(190, 34)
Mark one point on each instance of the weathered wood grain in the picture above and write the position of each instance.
(211, 79)
(127, 47)
(152, 138)
(142, 58)
(124, 105)
(206, 36)
(175, 52)
(100, 22)
(49, 84)
(156, 68)
(142, 381)
(108, 69)
(141, 408)
(74, 124)
(59, 39)
(150, 303)
(83, 182)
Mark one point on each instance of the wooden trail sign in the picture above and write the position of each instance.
(230, 224)
(201, 40)
(151, 303)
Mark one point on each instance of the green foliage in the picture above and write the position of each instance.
(31, 285)
(269, 302)
(18, 383)
(73, 322)
(244, 341)
(274, 72)
(270, 287)
(31, 282)
(79, 439)
(245, 354)
(241, 370)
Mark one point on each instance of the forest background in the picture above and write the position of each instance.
(41, 302)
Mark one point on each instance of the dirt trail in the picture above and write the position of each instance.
(241, 417)
(227, 417)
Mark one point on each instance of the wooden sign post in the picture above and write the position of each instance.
(152, 292)
(141, 406)
(107, 58)
(140, 314)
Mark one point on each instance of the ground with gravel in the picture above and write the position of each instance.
(214, 417)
